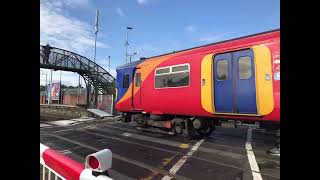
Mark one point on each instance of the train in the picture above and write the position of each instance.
(192, 91)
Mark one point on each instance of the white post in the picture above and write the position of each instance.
(59, 89)
(111, 104)
(46, 96)
(78, 90)
(50, 98)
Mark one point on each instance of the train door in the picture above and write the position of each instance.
(136, 98)
(245, 85)
(234, 83)
(223, 83)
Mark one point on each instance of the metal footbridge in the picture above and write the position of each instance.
(93, 74)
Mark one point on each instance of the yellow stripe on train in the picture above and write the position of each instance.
(264, 84)
(207, 83)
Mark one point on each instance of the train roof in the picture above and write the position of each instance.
(134, 63)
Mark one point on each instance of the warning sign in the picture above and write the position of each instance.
(276, 65)
(276, 68)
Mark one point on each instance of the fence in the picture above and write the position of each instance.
(56, 166)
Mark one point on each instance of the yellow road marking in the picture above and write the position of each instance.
(184, 146)
(164, 162)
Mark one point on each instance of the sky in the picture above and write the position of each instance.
(159, 26)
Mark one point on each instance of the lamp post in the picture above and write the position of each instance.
(132, 55)
(95, 49)
(109, 63)
(127, 43)
(96, 34)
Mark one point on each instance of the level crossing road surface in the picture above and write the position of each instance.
(229, 153)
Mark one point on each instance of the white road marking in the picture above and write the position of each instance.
(44, 125)
(252, 160)
(84, 119)
(179, 164)
(62, 122)
(126, 134)
(62, 130)
(166, 178)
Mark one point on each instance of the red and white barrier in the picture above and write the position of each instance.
(69, 169)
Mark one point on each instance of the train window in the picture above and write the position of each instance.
(125, 79)
(162, 70)
(178, 76)
(138, 79)
(222, 70)
(245, 70)
(180, 68)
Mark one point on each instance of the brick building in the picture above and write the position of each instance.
(74, 97)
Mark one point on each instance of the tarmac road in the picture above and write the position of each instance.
(229, 153)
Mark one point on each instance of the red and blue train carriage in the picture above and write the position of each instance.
(192, 90)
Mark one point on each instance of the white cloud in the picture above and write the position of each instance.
(191, 29)
(105, 65)
(211, 38)
(142, 2)
(61, 4)
(67, 78)
(77, 3)
(60, 30)
(120, 12)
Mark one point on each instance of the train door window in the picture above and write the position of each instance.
(222, 70)
(245, 70)
(173, 76)
(125, 83)
(138, 79)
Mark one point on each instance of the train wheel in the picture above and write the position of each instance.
(178, 125)
(188, 131)
(206, 132)
(185, 133)
(204, 127)
(126, 118)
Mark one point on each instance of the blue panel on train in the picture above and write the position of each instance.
(245, 92)
(121, 72)
(223, 94)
